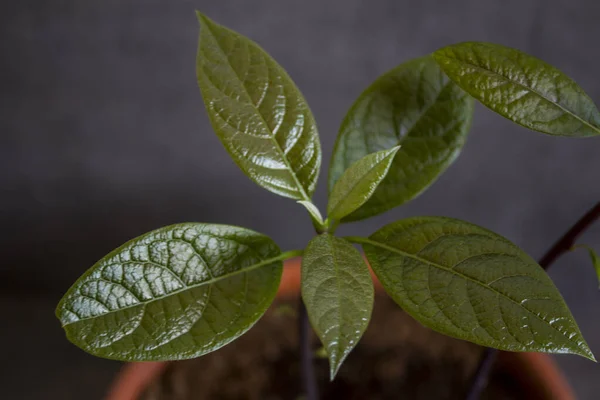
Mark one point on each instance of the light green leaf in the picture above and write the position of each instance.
(521, 88)
(472, 284)
(338, 293)
(359, 182)
(314, 212)
(174, 293)
(258, 112)
(321, 352)
(593, 256)
(416, 106)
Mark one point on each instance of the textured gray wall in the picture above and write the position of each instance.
(104, 137)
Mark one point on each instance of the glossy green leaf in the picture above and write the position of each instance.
(416, 106)
(521, 88)
(258, 112)
(472, 284)
(594, 257)
(359, 182)
(174, 293)
(338, 293)
(313, 211)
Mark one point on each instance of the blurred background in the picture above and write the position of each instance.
(104, 137)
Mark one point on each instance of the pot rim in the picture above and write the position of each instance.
(538, 372)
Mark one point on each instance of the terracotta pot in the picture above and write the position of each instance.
(537, 372)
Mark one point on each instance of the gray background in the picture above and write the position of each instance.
(104, 137)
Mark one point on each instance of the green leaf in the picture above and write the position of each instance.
(338, 293)
(593, 256)
(522, 88)
(472, 284)
(359, 182)
(314, 212)
(416, 106)
(174, 293)
(258, 112)
(321, 352)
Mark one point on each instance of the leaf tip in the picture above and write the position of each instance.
(587, 353)
(334, 367)
(581, 348)
(203, 19)
(335, 362)
(394, 150)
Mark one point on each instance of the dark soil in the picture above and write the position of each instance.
(396, 359)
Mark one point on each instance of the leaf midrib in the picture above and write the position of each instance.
(452, 271)
(566, 110)
(185, 288)
(338, 297)
(423, 112)
(300, 188)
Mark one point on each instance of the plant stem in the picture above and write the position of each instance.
(563, 245)
(334, 226)
(482, 373)
(309, 380)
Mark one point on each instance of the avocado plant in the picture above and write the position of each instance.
(185, 290)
